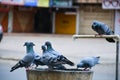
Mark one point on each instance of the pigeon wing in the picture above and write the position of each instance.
(25, 62)
(28, 59)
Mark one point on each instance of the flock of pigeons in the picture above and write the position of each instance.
(50, 58)
(54, 59)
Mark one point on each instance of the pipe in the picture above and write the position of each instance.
(97, 36)
(117, 37)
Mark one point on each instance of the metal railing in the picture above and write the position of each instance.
(116, 37)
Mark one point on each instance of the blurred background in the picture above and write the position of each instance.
(56, 21)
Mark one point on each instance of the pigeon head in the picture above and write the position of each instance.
(84, 65)
(43, 48)
(29, 44)
(48, 43)
(80, 65)
(95, 25)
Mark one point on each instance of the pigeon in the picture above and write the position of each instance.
(59, 56)
(102, 29)
(28, 58)
(51, 60)
(88, 62)
(37, 59)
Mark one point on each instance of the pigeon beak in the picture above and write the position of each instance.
(24, 44)
(33, 44)
(98, 57)
(43, 46)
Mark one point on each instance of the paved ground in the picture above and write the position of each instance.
(11, 48)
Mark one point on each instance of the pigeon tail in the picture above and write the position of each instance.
(16, 66)
(110, 40)
(64, 59)
(69, 62)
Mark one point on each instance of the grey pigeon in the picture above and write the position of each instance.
(37, 58)
(88, 62)
(102, 29)
(51, 60)
(59, 56)
(28, 58)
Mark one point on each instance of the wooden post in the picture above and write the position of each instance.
(59, 75)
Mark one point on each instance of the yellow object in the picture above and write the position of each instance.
(43, 3)
(65, 23)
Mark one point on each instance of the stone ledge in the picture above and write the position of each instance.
(68, 74)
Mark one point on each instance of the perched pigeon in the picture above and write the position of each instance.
(59, 56)
(28, 58)
(51, 60)
(37, 59)
(102, 29)
(88, 62)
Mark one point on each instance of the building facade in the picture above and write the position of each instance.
(58, 20)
